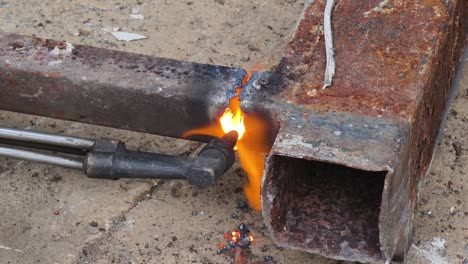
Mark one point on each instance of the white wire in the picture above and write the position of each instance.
(330, 51)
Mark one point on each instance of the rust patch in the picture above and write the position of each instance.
(431, 108)
(375, 75)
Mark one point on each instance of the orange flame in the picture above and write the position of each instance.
(251, 146)
(233, 117)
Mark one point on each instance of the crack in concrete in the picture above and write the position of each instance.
(144, 196)
(93, 250)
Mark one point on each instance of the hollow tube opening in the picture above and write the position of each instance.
(323, 208)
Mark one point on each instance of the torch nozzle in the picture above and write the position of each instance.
(230, 138)
(213, 161)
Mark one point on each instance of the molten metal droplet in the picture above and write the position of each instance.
(243, 205)
(238, 238)
(232, 243)
(242, 227)
(244, 241)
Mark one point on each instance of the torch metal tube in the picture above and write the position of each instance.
(67, 162)
(46, 138)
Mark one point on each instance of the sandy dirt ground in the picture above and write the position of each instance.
(55, 215)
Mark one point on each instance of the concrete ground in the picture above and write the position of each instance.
(54, 215)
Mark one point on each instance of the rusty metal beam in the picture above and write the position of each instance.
(346, 164)
(111, 88)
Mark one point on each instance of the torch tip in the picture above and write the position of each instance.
(230, 138)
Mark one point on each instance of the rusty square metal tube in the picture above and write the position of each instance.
(343, 176)
(111, 88)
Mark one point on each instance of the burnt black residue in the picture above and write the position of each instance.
(166, 68)
(262, 86)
